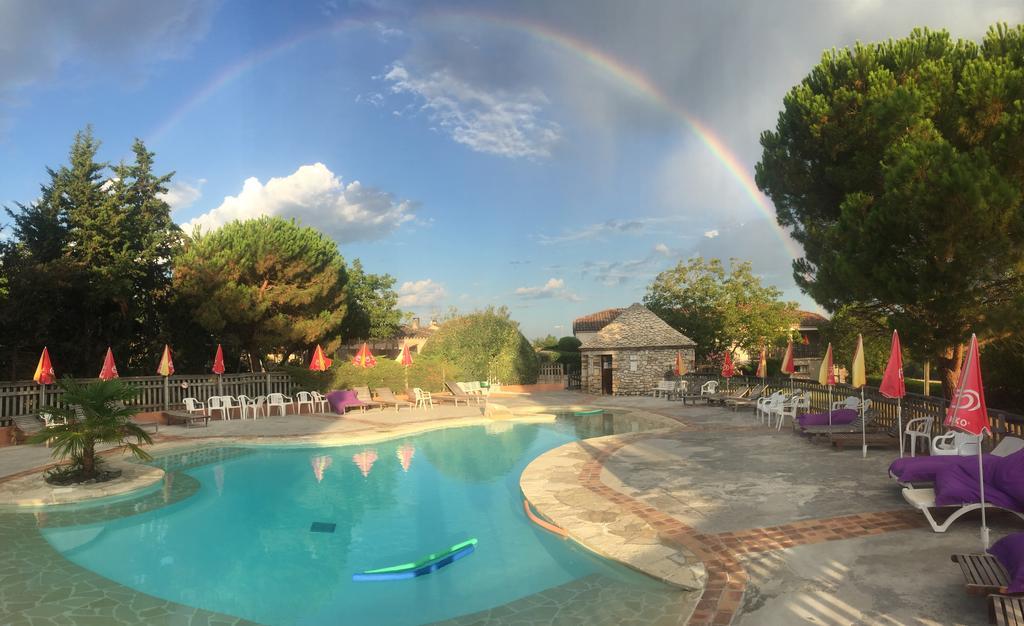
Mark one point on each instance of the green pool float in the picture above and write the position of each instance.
(436, 556)
(590, 412)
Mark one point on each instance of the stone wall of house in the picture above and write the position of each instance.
(634, 371)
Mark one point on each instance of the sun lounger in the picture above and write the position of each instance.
(1006, 610)
(956, 487)
(387, 397)
(909, 471)
(747, 400)
(365, 398)
(983, 573)
(722, 396)
(853, 427)
(460, 395)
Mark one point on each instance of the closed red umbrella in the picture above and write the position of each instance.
(967, 412)
(762, 366)
(893, 385)
(319, 362)
(680, 367)
(44, 370)
(727, 369)
(218, 361)
(109, 371)
(405, 360)
(364, 358)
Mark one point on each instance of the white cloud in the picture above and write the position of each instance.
(494, 122)
(554, 288)
(662, 249)
(317, 197)
(420, 293)
(711, 234)
(181, 195)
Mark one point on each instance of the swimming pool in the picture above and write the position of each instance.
(274, 534)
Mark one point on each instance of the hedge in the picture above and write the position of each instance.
(425, 372)
(486, 346)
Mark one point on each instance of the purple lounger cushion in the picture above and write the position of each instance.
(1009, 551)
(958, 484)
(922, 469)
(840, 417)
(340, 400)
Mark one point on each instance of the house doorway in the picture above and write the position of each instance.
(606, 374)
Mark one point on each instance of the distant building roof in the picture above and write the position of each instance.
(595, 321)
(809, 319)
(637, 327)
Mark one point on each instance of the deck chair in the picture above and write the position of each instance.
(747, 400)
(722, 396)
(1006, 447)
(1006, 610)
(983, 573)
(386, 396)
(366, 399)
(924, 500)
(460, 395)
(868, 417)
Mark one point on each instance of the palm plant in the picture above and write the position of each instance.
(94, 414)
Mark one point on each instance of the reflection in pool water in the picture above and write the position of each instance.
(263, 539)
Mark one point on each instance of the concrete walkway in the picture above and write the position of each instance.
(790, 532)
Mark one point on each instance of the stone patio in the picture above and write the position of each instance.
(754, 526)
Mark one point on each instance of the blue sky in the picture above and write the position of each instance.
(465, 148)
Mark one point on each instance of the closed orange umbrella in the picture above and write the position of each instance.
(166, 367)
(44, 370)
(320, 362)
(364, 358)
(109, 371)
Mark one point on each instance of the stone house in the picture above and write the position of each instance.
(631, 353)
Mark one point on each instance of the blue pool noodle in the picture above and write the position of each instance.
(413, 573)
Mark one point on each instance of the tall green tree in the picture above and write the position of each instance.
(720, 310)
(372, 305)
(266, 285)
(89, 261)
(900, 168)
(486, 345)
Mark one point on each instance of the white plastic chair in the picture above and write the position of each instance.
(246, 405)
(49, 420)
(321, 401)
(278, 400)
(918, 429)
(709, 388)
(423, 398)
(217, 404)
(194, 407)
(955, 443)
(765, 404)
(303, 398)
(796, 405)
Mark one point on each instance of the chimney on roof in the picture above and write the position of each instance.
(415, 323)
(433, 324)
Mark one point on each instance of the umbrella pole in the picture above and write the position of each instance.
(981, 485)
(899, 423)
(863, 430)
(829, 405)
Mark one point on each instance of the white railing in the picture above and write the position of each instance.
(156, 393)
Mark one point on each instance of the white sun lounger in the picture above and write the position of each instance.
(924, 500)
(1006, 447)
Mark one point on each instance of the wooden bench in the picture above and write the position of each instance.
(983, 573)
(1006, 610)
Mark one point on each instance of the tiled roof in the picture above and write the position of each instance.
(811, 320)
(637, 327)
(595, 321)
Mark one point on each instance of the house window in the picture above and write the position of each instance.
(633, 362)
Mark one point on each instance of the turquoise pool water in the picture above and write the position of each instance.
(243, 543)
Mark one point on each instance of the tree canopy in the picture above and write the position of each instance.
(486, 345)
(372, 305)
(265, 285)
(89, 262)
(899, 167)
(720, 310)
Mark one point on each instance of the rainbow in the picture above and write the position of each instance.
(628, 77)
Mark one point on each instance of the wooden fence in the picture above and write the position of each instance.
(912, 405)
(156, 393)
(551, 373)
